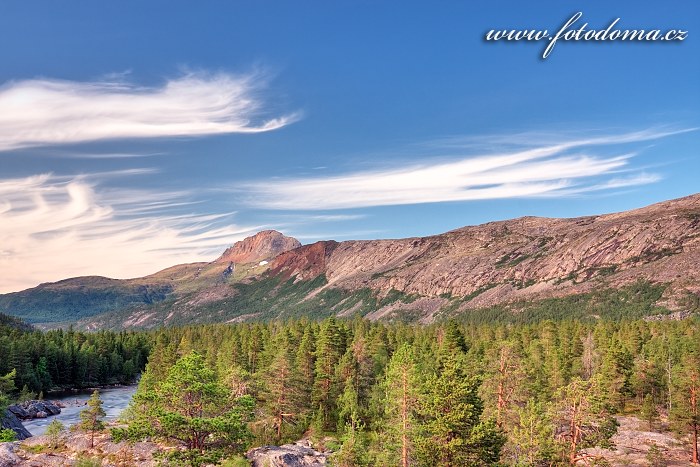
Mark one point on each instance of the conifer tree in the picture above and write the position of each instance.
(191, 406)
(585, 419)
(452, 432)
(91, 418)
(348, 408)
(54, 432)
(7, 384)
(614, 375)
(649, 411)
(329, 349)
(283, 395)
(305, 360)
(685, 412)
(531, 439)
(401, 404)
(502, 386)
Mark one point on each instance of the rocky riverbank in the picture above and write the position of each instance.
(11, 422)
(29, 410)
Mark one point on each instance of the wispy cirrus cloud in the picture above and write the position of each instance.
(41, 112)
(55, 227)
(559, 168)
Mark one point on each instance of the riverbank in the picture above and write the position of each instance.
(114, 400)
(31, 418)
(29, 410)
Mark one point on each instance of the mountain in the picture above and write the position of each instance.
(262, 246)
(70, 300)
(635, 263)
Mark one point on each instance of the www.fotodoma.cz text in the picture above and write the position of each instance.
(571, 31)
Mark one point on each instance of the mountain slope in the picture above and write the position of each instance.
(518, 259)
(638, 262)
(10, 324)
(69, 300)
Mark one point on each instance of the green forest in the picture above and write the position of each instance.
(451, 394)
(66, 359)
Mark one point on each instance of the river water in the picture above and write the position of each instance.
(115, 400)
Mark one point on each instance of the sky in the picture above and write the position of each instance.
(136, 135)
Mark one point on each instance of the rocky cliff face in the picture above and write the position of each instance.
(261, 246)
(520, 258)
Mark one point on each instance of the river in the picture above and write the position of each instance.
(115, 400)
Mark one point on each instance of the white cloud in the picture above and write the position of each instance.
(57, 227)
(549, 170)
(47, 112)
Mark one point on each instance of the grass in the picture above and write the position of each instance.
(511, 259)
(631, 302)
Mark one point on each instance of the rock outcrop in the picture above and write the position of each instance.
(10, 421)
(74, 449)
(28, 410)
(8, 454)
(261, 246)
(299, 454)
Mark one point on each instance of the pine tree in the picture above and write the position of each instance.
(585, 419)
(502, 386)
(283, 395)
(193, 407)
(348, 408)
(531, 439)
(7, 385)
(614, 375)
(685, 413)
(329, 349)
(649, 411)
(655, 457)
(54, 432)
(91, 418)
(401, 403)
(353, 450)
(589, 356)
(452, 432)
(25, 394)
(305, 360)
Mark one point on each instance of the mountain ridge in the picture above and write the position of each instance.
(422, 278)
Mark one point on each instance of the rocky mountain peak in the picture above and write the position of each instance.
(261, 246)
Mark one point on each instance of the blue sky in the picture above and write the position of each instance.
(139, 134)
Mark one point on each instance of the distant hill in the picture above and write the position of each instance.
(11, 323)
(634, 263)
(70, 300)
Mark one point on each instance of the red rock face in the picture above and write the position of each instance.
(261, 246)
(306, 262)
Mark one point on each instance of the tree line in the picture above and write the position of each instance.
(394, 394)
(67, 359)
(381, 394)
